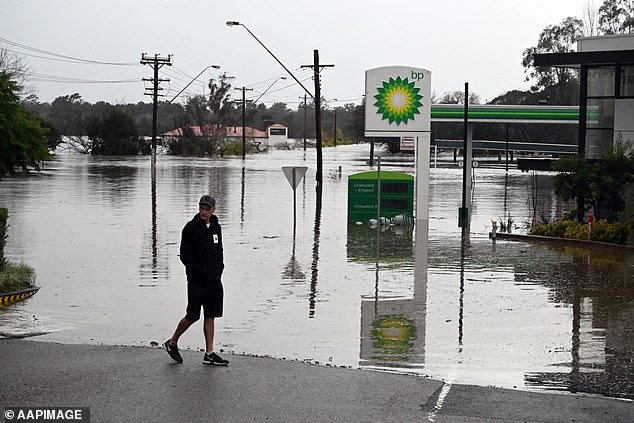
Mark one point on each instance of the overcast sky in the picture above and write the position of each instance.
(475, 41)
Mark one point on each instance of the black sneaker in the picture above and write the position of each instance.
(213, 358)
(172, 350)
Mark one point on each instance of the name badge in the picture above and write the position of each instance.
(215, 238)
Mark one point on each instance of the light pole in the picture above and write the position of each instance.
(335, 127)
(235, 23)
(305, 108)
(316, 98)
(335, 109)
(190, 82)
(265, 91)
(335, 113)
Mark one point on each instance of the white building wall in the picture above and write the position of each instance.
(606, 43)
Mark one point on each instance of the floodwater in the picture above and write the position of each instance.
(104, 242)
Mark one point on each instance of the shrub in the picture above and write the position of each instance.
(233, 149)
(615, 233)
(12, 276)
(200, 147)
(558, 229)
(16, 276)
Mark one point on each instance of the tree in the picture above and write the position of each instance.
(457, 97)
(277, 113)
(616, 17)
(590, 19)
(573, 178)
(53, 136)
(196, 112)
(14, 66)
(553, 39)
(71, 114)
(613, 172)
(220, 97)
(598, 184)
(22, 139)
(114, 133)
(555, 85)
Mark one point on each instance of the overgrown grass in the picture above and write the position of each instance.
(14, 277)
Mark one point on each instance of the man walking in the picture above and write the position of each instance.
(202, 254)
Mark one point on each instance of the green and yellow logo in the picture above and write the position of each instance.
(398, 100)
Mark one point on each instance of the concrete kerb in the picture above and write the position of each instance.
(556, 240)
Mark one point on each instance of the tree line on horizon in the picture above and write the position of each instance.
(107, 125)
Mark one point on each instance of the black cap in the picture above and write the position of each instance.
(208, 200)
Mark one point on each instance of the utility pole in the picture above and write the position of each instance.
(463, 213)
(316, 70)
(244, 102)
(156, 63)
(305, 107)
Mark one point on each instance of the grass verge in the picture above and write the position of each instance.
(14, 277)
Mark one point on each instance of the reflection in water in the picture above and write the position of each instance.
(601, 297)
(242, 189)
(395, 245)
(464, 245)
(152, 269)
(154, 218)
(506, 222)
(114, 179)
(293, 270)
(393, 329)
(420, 282)
(313, 278)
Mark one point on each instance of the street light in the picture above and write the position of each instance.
(335, 127)
(335, 110)
(235, 23)
(190, 82)
(316, 98)
(265, 91)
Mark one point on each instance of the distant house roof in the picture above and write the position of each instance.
(236, 131)
(209, 130)
(179, 132)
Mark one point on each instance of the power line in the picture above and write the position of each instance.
(64, 57)
(284, 87)
(41, 77)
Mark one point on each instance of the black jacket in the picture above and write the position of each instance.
(201, 251)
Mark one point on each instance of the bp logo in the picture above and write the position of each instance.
(398, 100)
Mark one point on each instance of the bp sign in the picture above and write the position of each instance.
(398, 101)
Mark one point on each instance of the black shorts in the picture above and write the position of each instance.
(209, 297)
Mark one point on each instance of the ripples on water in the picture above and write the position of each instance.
(104, 242)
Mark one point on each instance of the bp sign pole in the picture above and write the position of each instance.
(398, 104)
